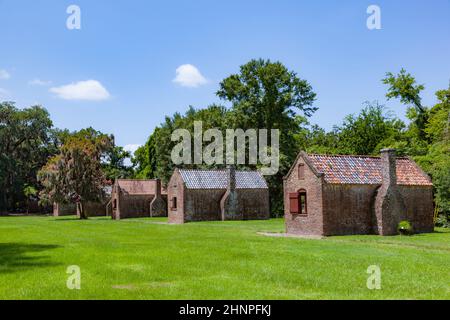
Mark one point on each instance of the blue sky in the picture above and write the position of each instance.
(130, 51)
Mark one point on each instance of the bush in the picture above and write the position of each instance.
(405, 228)
(443, 221)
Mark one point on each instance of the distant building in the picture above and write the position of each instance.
(209, 195)
(64, 209)
(138, 198)
(92, 208)
(343, 195)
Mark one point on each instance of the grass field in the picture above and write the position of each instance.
(147, 259)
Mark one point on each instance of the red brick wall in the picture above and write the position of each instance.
(312, 223)
(202, 205)
(348, 209)
(61, 209)
(254, 204)
(419, 206)
(95, 209)
(135, 206)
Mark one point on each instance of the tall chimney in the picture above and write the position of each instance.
(389, 167)
(390, 208)
(231, 178)
(158, 188)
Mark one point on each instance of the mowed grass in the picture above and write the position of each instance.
(147, 259)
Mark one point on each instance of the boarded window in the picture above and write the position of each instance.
(301, 171)
(293, 203)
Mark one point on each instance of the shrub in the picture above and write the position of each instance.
(443, 221)
(405, 228)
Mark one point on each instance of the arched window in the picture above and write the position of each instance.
(298, 202)
(301, 171)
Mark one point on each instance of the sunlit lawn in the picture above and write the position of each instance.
(148, 259)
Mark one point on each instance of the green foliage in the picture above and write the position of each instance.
(75, 174)
(114, 166)
(443, 221)
(26, 141)
(369, 132)
(403, 86)
(405, 228)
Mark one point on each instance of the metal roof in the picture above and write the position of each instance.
(218, 179)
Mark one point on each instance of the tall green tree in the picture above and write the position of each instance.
(368, 132)
(26, 142)
(114, 166)
(266, 95)
(403, 86)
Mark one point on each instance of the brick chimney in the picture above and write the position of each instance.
(389, 167)
(229, 203)
(231, 178)
(158, 188)
(158, 206)
(389, 205)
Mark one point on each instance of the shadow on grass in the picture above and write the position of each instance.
(16, 257)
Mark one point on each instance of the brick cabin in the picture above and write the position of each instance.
(344, 195)
(64, 209)
(217, 195)
(138, 198)
(93, 209)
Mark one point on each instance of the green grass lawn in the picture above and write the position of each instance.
(147, 259)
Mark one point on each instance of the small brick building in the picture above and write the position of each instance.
(64, 209)
(344, 195)
(217, 195)
(93, 209)
(138, 198)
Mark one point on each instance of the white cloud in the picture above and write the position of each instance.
(39, 82)
(188, 75)
(4, 75)
(83, 90)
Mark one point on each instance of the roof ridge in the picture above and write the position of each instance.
(352, 156)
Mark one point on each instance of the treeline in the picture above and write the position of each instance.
(28, 142)
(266, 95)
(262, 95)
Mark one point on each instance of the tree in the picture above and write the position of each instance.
(29, 192)
(75, 174)
(154, 158)
(26, 142)
(144, 160)
(403, 86)
(266, 95)
(368, 132)
(114, 165)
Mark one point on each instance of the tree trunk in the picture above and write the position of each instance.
(80, 209)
